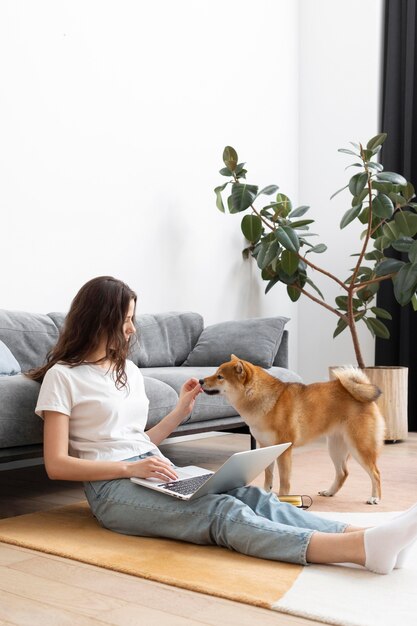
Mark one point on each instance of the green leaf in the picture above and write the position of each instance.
(378, 312)
(376, 166)
(340, 327)
(376, 141)
(398, 199)
(405, 283)
(377, 327)
(374, 255)
(219, 200)
(293, 293)
(299, 211)
(402, 244)
(230, 158)
(382, 187)
(289, 262)
(368, 292)
(382, 206)
(338, 191)
(382, 242)
(414, 302)
(406, 222)
(243, 196)
(392, 177)
(301, 223)
(251, 227)
(283, 204)
(388, 266)
(350, 215)
(357, 183)
(269, 190)
(391, 231)
(360, 197)
(271, 283)
(412, 253)
(341, 302)
(267, 254)
(409, 192)
(310, 282)
(225, 172)
(321, 247)
(240, 170)
(346, 151)
(287, 238)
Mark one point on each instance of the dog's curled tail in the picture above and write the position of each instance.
(357, 384)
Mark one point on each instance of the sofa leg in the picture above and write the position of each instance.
(252, 442)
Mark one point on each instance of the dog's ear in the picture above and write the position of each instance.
(239, 368)
(233, 357)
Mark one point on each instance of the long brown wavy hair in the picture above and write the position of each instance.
(98, 311)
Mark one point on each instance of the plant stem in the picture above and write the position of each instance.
(323, 304)
(319, 269)
(351, 288)
(371, 282)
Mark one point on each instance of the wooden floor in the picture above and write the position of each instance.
(36, 588)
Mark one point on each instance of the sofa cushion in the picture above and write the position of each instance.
(8, 364)
(19, 426)
(29, 336)
(256, 340)
(162, 399)
(206, 407)
(165, 338)
(58, 319)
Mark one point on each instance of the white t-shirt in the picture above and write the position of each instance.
(105, 423)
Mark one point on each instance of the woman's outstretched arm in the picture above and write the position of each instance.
(189, 391)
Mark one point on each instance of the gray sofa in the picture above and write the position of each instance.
(170, 348)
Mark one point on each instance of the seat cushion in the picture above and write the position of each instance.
(256, 340)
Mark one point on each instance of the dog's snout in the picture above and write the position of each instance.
(201, 381)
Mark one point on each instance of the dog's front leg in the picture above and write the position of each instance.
(269, 477)
(284, 463)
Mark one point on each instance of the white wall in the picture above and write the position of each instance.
(113, 119)
(340, 66)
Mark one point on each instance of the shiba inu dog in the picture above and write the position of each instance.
(344, 409)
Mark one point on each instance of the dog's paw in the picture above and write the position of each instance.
(268, 488)
(326, 493)
(372, 500)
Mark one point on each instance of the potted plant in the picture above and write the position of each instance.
(280, 242)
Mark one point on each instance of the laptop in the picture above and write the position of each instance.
(239, 470)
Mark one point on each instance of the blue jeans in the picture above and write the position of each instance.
(248, 519)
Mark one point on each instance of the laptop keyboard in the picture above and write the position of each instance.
(187, 485)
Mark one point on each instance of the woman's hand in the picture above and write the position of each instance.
(189, 391)
(152, 467)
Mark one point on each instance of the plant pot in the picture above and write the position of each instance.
(393, 402)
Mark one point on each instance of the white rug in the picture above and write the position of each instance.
(352, 596)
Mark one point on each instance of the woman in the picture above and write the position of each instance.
(94, 407)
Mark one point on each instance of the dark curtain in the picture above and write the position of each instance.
(399, 154)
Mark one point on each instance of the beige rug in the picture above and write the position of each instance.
(73, 532)
(340, 595)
